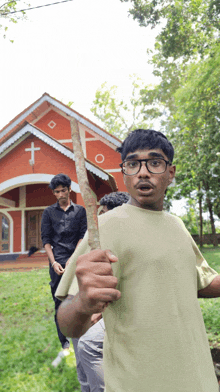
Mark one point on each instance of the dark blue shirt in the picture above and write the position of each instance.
(63, 229)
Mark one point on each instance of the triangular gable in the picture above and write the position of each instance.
(28, 129)
(46, 98)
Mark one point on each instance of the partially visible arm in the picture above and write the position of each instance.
(212, 290)
(56, 266)
(72, 321)
(49, 252)
(46, 235)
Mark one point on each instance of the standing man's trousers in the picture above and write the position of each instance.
(90, 351)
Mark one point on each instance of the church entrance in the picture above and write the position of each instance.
(33, 229)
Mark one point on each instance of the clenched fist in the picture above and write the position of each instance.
(97, 285)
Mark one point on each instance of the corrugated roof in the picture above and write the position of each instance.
(69, 111)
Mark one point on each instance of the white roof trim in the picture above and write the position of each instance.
(28, 179)
(28, 128)
(68, 111)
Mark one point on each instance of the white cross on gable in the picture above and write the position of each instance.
(32, 149)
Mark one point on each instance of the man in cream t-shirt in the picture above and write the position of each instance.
(146, 283)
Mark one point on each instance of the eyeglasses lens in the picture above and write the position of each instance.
(155, 166)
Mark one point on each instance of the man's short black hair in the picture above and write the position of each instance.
(60, 179)
(141, 139)
(114, 199)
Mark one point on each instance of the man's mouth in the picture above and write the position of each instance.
(144, 186)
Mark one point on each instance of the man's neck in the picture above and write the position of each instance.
(64, 206)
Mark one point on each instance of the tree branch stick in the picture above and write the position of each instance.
(89, 199)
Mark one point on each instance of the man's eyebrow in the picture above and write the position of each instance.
(132, 156)
(56, 190)
(156, 154)
(151, 154)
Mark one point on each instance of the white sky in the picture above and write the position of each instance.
(68, 50)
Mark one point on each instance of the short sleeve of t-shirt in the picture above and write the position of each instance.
(205, 274)
(68, 277)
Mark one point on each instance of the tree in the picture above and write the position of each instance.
(189, 29)
(191, 218)
(187, 26)
(7, 15)
(196, 134)
(120, 116)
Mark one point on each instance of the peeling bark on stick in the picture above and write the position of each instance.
(89, 200)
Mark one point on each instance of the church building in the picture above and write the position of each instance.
(34, 147)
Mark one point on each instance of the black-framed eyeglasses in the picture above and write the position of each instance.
(131, 167)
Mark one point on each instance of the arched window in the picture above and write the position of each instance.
(4, 234)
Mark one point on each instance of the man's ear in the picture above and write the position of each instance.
(123, 177)
(172, 171)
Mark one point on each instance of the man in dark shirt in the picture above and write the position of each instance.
(63, 226)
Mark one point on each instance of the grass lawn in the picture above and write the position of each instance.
(28, 337)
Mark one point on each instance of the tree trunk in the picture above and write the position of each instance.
(200, 222)
(212, 221)
(89, 200)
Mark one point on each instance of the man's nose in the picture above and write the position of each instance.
(144, 172)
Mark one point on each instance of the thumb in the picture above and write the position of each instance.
(112, 258)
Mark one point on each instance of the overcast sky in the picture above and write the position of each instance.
(68, 50)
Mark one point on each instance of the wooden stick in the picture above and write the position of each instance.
(89, 199)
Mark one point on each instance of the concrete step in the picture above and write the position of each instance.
(37, 255)
(24, 264)
(31, 259)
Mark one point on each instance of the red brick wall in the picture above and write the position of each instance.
(47, 160)
(62, 128)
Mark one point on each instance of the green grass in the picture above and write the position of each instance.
(28, 337)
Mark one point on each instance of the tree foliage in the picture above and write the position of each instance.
(187, 26)
(197, 136)
(118, 115)
(7, 15)
(189, 30)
